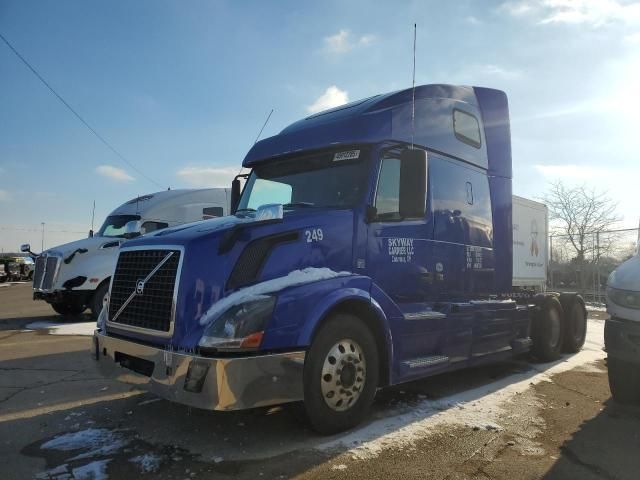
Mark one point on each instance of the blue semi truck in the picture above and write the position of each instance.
(371, 245)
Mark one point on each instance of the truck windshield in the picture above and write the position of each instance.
(324, 181)
(114, 225)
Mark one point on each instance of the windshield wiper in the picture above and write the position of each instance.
(299, 204)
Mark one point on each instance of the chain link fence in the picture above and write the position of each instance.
(587, 274)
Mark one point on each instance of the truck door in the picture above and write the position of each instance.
(397, 261)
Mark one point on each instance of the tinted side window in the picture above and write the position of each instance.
(466, 128)
(211, 212)
(387, 200)
(148, 227)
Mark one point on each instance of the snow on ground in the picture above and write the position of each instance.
(595, 307)
(95, 442)
(147, 462)
(92, 471)
(62, 328)
(480, 407)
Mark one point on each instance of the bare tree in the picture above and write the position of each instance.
(579, 216)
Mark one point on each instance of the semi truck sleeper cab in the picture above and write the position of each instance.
(363, 252)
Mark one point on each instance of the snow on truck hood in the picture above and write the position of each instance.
(627, 275)
(262, 289)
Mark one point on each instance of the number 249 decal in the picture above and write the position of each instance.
(314, 235)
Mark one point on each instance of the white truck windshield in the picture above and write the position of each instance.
(114, 225)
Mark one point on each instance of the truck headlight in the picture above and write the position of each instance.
(624, 298)
(240, 327)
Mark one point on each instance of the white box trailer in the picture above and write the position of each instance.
(530, 229)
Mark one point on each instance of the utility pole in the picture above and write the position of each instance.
(42, 241)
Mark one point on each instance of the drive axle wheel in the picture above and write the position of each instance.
(340, 374)
(547, 330)
(575, 323)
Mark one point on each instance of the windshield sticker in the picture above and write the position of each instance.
(400, 249)
(348, 155)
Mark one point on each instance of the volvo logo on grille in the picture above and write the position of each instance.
(139, 290)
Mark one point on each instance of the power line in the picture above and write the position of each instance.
(77, 115)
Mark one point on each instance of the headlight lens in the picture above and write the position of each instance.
(624, 298)
(240, 327)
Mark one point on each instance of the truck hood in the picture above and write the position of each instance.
(627, 275)
(90, 243)
(217, 260)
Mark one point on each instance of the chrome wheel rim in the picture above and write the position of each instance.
(343, 375)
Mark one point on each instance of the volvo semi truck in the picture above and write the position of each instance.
(368, 247)
(75, 276)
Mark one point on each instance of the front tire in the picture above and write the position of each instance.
(98, 298)
(624, 381)
(68, 308)
(340, 374)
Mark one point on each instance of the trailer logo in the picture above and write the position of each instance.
(140, 287)
(534, 238)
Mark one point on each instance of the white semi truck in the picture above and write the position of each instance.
(75, 276)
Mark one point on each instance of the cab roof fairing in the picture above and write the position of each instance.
(382, 118)
(160, 200)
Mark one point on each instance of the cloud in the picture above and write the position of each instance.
(114, 173)
(208, 176)
(632, 39)
(571, 171)
(4, 196)
(516, 9)
(499, 71)
(589, 12)
(332, 97)
(471, 20)
(344, 41)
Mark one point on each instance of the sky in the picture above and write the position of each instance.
(181, 90)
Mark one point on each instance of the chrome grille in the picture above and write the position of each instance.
(39, 271)
(153, 307)
(45, 271)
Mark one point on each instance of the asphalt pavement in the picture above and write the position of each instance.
(60, 420)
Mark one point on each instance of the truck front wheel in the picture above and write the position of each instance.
(68, 308)
(340, 374)
(624, 380)
(98, 299)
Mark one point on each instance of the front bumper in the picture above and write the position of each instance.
(62, 296)
(622, 339)
(234, 383)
